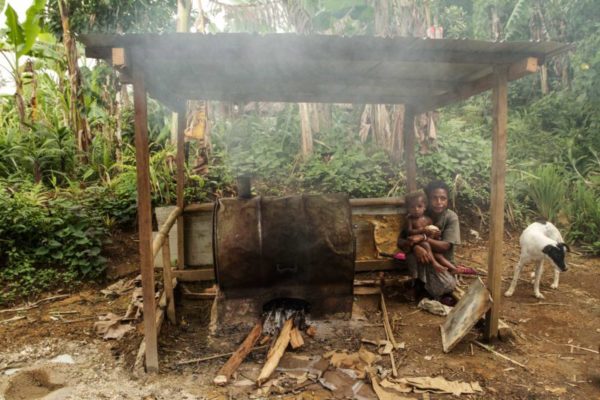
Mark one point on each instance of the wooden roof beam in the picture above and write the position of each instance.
(516, 70)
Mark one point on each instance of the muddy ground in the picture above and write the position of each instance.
(99, 369)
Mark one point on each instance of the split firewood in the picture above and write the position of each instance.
(264, 340)
(276, 352)
(311, 331)
(296, 339)
(238, 356)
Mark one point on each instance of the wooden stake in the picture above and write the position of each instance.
(390, 334)
(238, 356)
(386, 323)
(276, 352)
(168, 281)
(145, 219)
(500, 114)
(181, 124)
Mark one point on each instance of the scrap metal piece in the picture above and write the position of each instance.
(474, 304)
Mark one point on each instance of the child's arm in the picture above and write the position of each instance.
(412, 230)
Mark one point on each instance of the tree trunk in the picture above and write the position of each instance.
(76, 117)
(544, 79)
(397, 136)
(305, 128)
(496, 29)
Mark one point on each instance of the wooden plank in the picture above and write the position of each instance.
(500, 117)
(516, 70)
(374, 265)
(199, 207)
(118, 57)
(194, 275)
(145, 219)
(181, 124)
(409, 148)
(467, 312)
(168, 281)
(377, 201)
(163, 233)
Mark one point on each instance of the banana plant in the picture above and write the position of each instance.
(19, 39)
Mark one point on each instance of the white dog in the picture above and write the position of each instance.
(540, 241)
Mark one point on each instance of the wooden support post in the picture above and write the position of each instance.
(500, 115)
(181, 124)
(145, 219)
(168, 281)
(409, 148)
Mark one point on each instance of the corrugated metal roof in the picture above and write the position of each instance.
(318, 68)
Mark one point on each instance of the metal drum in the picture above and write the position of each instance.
(299, 247)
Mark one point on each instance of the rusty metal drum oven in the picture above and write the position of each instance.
(298, 247)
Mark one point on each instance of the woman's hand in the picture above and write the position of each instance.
(433, 233)
(422, 255)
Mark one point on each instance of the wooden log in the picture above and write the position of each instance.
(276, 352)
(296, 339)
(163, 233)
(142, 159)
(238, 356)
(194, 275)
(180, 161)
(168, 281)
(494, 281)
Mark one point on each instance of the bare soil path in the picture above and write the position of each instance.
(556, 338)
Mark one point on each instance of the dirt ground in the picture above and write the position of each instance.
(92, 368)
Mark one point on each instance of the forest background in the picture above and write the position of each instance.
(67, 162)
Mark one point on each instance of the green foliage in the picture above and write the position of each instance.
(115, 16)
(264, 147)
(519, 15)
(547, 190)
(584, 218)
(47, 240)
(340, 164)
(462, 160)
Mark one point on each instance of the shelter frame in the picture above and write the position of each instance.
(421, 74)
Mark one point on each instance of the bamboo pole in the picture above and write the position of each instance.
(145, 218)
(500, 115)
(163, 233)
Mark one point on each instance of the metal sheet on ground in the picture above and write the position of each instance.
(474, 304)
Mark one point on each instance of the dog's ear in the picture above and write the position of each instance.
(548, 249)
(565, 246)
